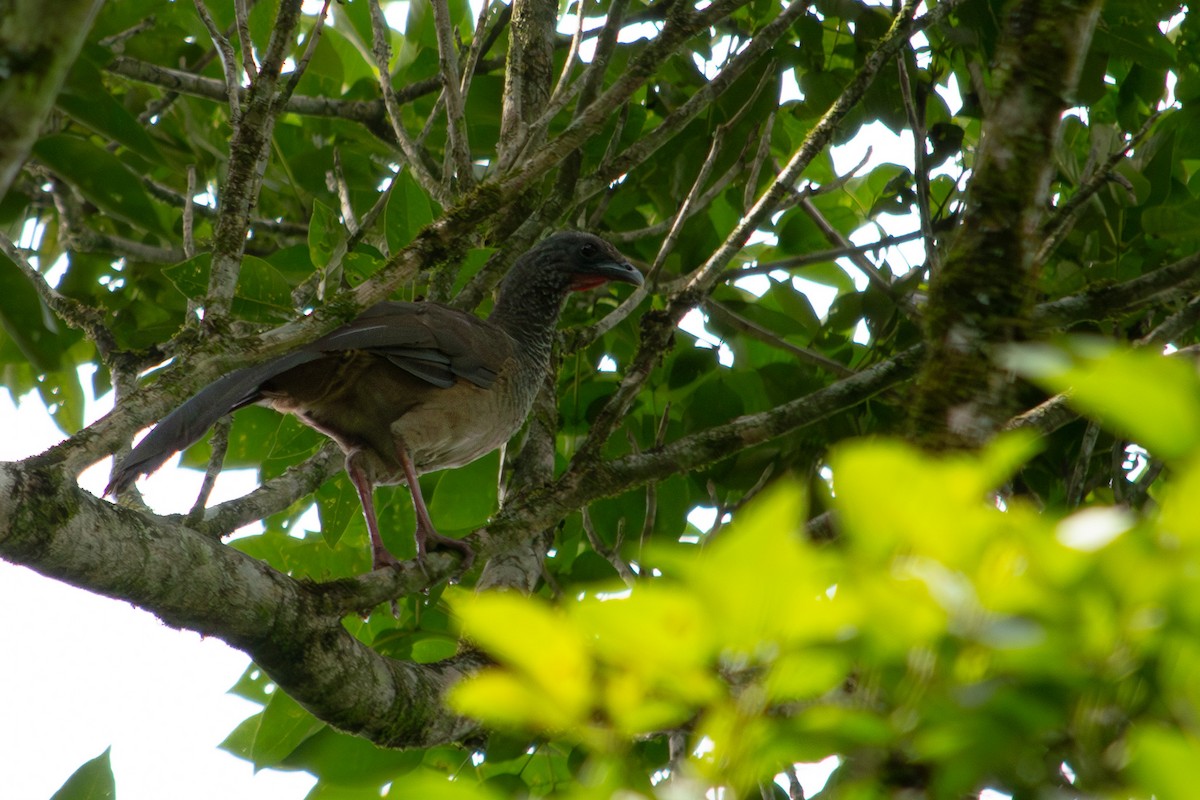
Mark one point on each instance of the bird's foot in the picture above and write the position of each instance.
(435, 541)
(381, 558)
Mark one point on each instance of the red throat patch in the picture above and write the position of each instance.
(585, 282)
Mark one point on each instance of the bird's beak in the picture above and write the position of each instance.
(597, 274)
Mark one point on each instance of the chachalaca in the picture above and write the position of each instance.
(408, 388)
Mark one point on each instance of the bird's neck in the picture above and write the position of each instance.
(529, 314)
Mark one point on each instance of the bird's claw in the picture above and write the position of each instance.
(435, 541)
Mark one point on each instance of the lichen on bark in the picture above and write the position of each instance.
(981, 297)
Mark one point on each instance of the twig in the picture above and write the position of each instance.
(219, 443)
(682, 23)
(169, 195)
(371, 113)
(338, 178)
(71, 311)
(273, 494)
(700, 283)
(228, 63)
(611, 555)
(821, 256)
(569, 63)
(458, 164)
(691, 203)
(1063, 220)
(476, 48)
(383, 57)
(310, 47)
(660, 438)
(1175, 325)
(249, 150)
(614, 144)
(242, 20)
(668, 242)
(1078, 478)
(795, 788)
(116, 42)
(702, 202)
(714, 149)
(916, 121)
(640, 150)
(189, 215)
(760, 158)
(606, 44)
(610, 320)
(835, 237)
(723, 313)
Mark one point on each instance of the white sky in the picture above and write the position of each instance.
(80, 672)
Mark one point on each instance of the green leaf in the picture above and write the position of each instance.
(325, 232)
(335, 791)
(431, 785)
(27, 320)
(262, 293)
(1164, 761)
(63, 395)
(240, 741)
(85, 98)
(283, 726)
(408, 211)
(92, 781)
(465, 497)
(346, 760)
(101, 178)
(422, 647)
(337, 506)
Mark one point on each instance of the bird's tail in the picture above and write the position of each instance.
(186, 424)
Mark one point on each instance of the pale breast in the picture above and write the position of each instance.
(464, 424)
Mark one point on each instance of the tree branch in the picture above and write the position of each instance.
(980, 297)
(249, 148)
(292, 630)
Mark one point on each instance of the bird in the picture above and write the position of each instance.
(409, 387)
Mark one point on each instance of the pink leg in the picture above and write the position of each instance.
(426, 533)
(379, 554)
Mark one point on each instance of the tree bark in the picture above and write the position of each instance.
(981, 298)
(36, 57)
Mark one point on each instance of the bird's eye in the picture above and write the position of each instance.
(588, 250)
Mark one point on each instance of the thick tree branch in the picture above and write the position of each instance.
(291, 630)
(981, 296)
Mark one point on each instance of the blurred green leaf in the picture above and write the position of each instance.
(1154, 399)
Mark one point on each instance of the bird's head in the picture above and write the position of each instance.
(570, 261)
